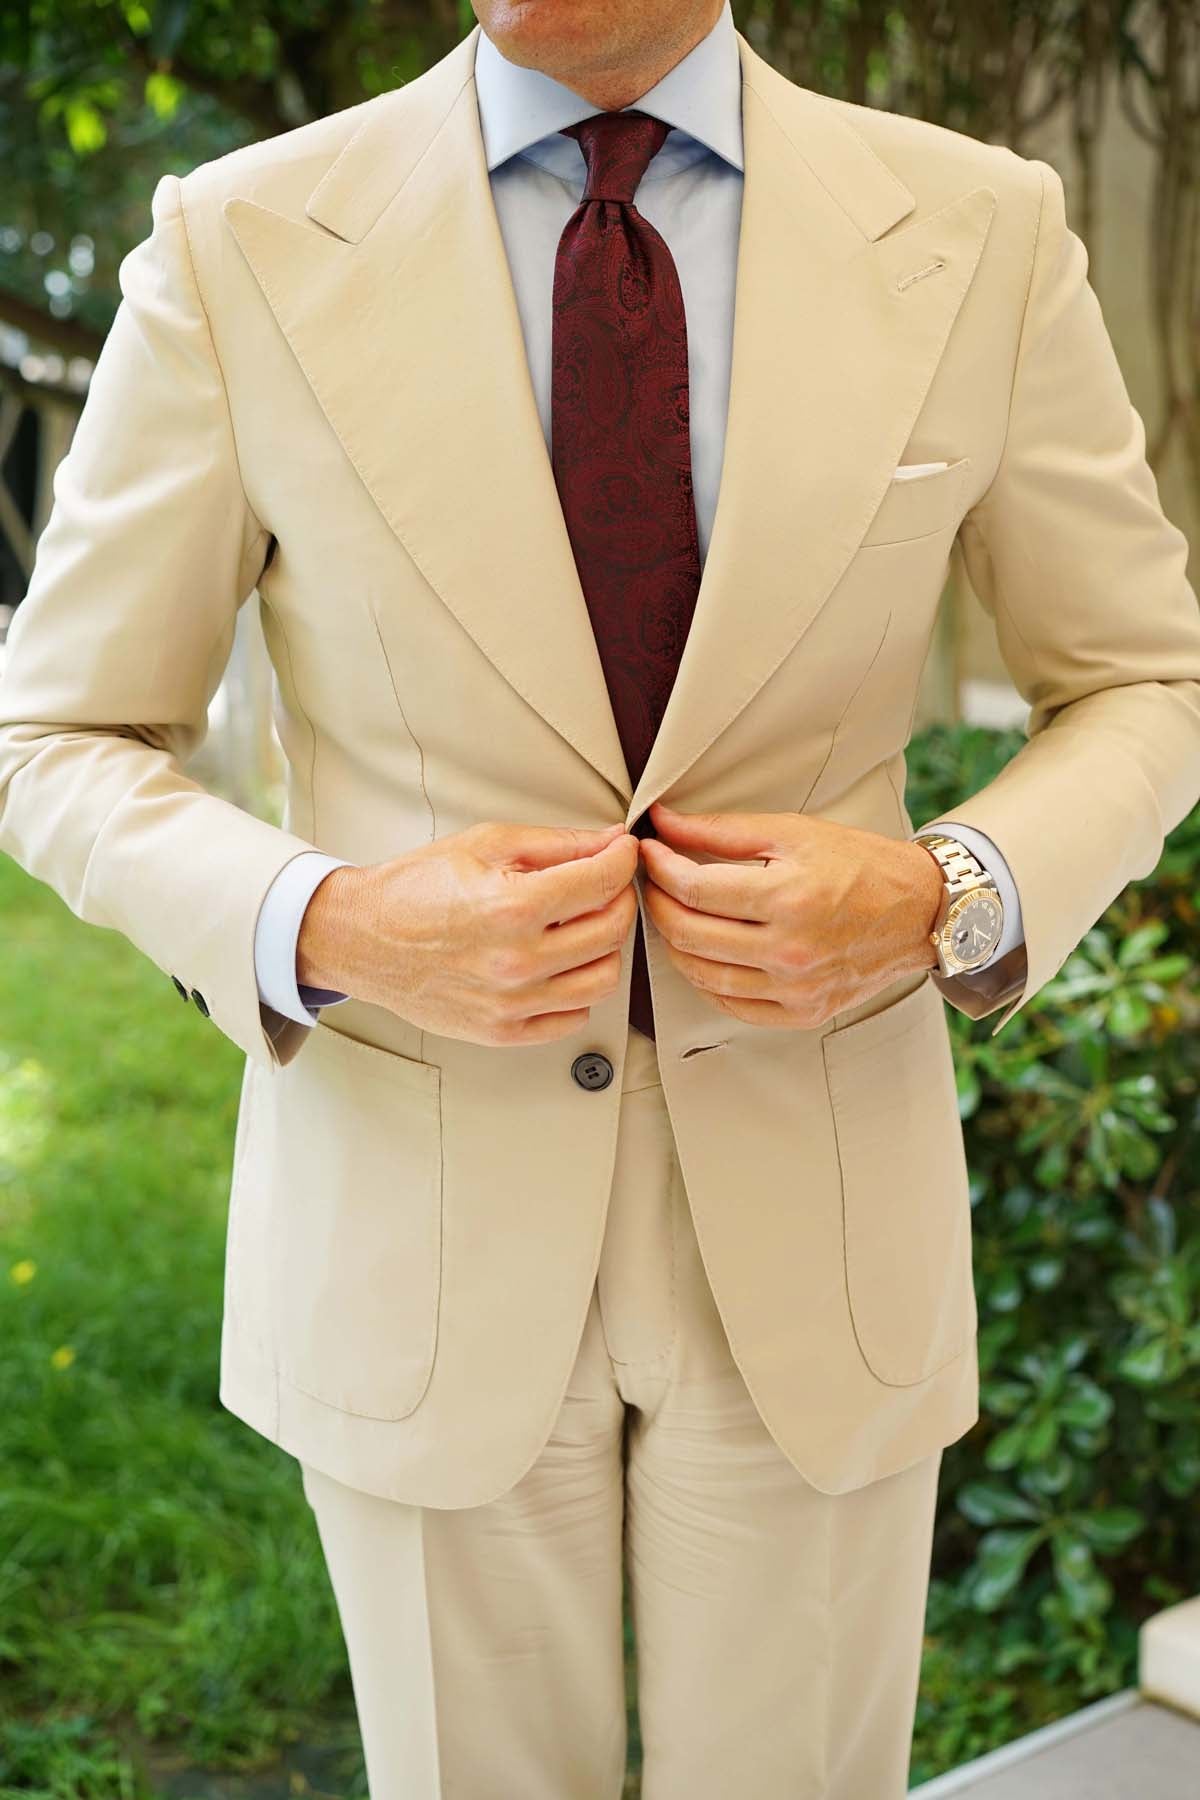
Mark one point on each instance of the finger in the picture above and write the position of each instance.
(735, 891)
(587, 985)
(725, 834)
(568, 889)
(698, 934)
(546, 846)
(733, 981)
(755, 1011)
(548, 1027)
(771, 1014)
(583, 939)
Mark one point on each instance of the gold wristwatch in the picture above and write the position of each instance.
(971, 917)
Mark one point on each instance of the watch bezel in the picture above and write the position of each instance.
(957, 905)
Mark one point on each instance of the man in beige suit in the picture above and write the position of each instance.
(531, 1293)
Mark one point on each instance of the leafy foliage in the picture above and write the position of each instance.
(1068, 1514)
(98, 98)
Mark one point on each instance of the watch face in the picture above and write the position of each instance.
(973, 930)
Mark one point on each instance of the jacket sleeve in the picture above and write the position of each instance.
(118, 646)
(1085, 578)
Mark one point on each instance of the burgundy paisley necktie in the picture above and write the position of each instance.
(621, 444)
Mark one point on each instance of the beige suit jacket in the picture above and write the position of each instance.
(316, 386)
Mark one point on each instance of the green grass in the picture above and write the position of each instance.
(161, 1582)
(160, 1572)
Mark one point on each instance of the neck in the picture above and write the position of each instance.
(631, 72)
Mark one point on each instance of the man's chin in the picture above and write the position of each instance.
(548, 35)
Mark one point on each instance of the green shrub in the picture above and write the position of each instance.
(1068, 1513)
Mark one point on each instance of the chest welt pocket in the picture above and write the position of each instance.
(356, 1170)
(906, 1210)
(917, 506)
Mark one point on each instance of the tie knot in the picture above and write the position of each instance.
(618, 147)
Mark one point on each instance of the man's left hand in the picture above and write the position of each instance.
(824, 916)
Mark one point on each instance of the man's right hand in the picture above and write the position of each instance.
(500, 934)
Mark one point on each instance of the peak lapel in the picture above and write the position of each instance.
(833, 355)
(399, 307)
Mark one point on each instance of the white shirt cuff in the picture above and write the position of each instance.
(982, 848)
(277, 933)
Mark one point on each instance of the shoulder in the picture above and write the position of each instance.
(937, 162)
(911, 169)
(939, 165)
(280, 171)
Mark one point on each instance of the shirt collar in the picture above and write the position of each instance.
(522, 111)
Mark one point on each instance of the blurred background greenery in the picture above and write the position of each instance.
(166, 1625)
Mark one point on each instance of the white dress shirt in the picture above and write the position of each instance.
(692, 194)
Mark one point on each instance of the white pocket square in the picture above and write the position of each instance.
(907, 471)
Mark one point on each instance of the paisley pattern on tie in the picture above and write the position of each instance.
(621, 442)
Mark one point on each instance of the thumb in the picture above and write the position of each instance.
(732, 835)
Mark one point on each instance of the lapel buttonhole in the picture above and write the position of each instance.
(919, 274)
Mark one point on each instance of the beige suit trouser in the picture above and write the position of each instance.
(778, 1629)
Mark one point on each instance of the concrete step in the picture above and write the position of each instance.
(1126, 1747)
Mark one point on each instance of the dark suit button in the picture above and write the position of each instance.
(201, 1002)
(179, 987)
(591, 1070)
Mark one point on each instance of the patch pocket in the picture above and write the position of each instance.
(918, 506)
(356, 1175)
(906, 1210)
